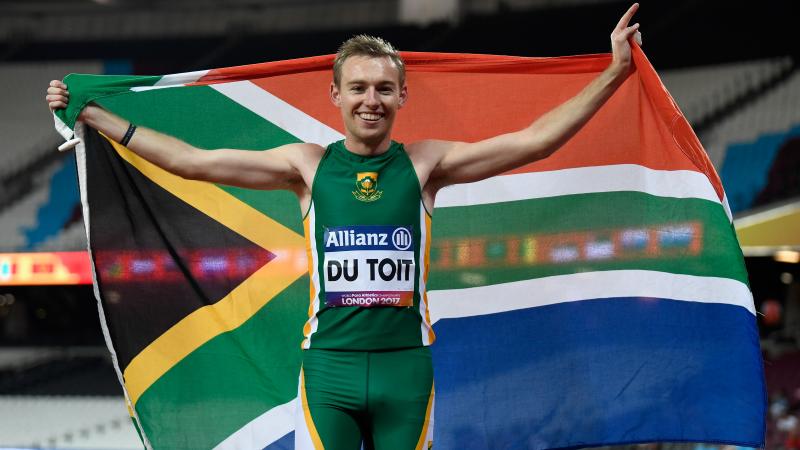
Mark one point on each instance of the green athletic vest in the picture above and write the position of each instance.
(368, 239)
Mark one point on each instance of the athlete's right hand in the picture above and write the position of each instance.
(57, 95)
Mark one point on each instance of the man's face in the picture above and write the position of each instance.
(369, 95)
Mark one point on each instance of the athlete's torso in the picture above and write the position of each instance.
(368, 237)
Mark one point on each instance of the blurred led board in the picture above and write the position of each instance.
(56, 268)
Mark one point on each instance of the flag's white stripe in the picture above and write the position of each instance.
(727, 207)
(423, 305)
(263, 430)
(581, 180)
(173, 80)
(62, 128)
(313, 322)
(453, 303)
(294, 121)
(181, 78)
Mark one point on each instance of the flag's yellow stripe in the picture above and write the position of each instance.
(427, 318)
(219, 205)
(310, 258)
(240, 304)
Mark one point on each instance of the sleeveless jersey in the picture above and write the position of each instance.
(368, 239)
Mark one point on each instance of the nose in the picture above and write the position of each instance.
(371, 98)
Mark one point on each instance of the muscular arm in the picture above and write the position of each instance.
(459, 162)
(279, 168)
(287, 167)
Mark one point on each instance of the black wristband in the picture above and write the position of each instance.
(128, 135)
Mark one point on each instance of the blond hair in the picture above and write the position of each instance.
(366, 45)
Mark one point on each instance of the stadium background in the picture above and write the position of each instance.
(731, 66)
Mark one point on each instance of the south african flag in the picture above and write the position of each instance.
(595, 297)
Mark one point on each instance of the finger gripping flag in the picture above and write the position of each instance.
(596, 297)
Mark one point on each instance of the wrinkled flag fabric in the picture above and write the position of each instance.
(595, 297)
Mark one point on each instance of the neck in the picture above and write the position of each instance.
(367, 148)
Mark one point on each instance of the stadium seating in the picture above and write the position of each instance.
(775, 112)
(747, 144)
(699, 90)
(66, 423)
(72, 238)
(22, 214)
(747, 168)
(27, 127)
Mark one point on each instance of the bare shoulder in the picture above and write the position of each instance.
(428, 151)
(429, 146)
(300, 154)
(302, 148)
(425, 156)
(305, 158)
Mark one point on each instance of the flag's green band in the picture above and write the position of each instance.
(236, 377)
(683, 236)
(85, 89)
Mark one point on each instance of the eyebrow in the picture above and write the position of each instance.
(379, 83)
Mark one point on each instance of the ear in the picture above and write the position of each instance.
(403, 96)
(334, 95)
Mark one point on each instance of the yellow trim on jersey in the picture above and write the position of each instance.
(423, 436)
(427, 259)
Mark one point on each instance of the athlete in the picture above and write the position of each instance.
(367, 375)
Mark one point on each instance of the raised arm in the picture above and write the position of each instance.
(287, 167)
(459, 162)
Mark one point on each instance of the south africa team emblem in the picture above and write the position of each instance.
(367, 187)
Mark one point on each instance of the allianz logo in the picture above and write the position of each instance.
(400, 238)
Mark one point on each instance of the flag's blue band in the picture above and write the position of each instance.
(599, 372)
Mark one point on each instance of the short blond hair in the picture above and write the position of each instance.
(366, 45)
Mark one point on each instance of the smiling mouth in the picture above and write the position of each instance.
(370, 117)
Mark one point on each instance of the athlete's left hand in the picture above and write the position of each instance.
(620, 40)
